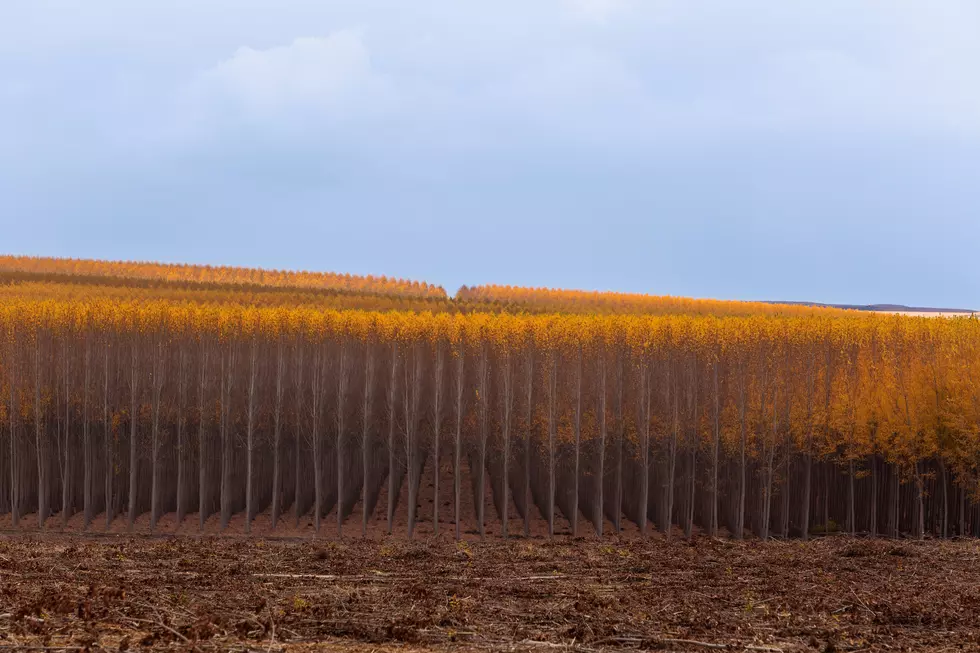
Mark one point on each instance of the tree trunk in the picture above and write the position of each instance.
(671, 454)
(202, 485)
(944, 525)
(109, 448)
(316, 383)
(66, 480)
(598, 517)
(578, 440)
(277, 438)
(438, 374)
(42, 461)
(873, 507)
(508, 409)
(644, 428)
(343, 382)
(366, 433)
(715, 447)
(158, 363)
(457, 460)
(250, 440)
(740, 514)
(893, 516)
(14, 457)
(412, 394)
(88, 454)
(133, 444)
(182, 434)
(620, 441)
(227, 450)
(552, 429)
(920, 530)
(392, 394)
(481, 472)
(528, 436)
(298, 439)
(689, 517)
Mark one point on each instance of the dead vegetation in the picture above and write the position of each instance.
(124, 592)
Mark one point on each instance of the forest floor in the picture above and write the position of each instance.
(113, 591)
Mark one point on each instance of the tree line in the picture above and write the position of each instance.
(215, 275)
(772, 425)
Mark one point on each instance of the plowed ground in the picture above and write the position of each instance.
(119, 592)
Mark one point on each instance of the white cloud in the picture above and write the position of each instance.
(330, 78)
(598, 11)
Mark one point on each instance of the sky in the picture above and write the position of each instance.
(764, 150)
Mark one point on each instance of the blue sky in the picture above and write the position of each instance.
(825, 151)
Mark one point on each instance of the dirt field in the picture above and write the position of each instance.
(115, 592)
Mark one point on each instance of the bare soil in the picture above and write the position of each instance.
(119, 591)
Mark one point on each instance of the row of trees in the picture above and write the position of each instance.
(775, 425)
(28, 286)
(334, 290)
(221, 275)
(522, 298)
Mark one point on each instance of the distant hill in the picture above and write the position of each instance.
(889, 308)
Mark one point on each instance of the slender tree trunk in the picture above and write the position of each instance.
(202, 470)
(392, 414)
(715, 447)
(598, 508)
(298, 439)
(692, 466)
(412, 394)
(277, 436)
(133, 444)
(436, 429)
(508, 409)
(14, 453)
(250, 439)
(770, 458)
(182, 432)
(158, 363)
(481, 472)
(893, 516)
(620, 440)
(808, 453)
(644, 432)
(851, 519)
(920, 529)
(316, 383)
(787, 454)
(528, 435)
(873, 506)
(671, 453)
(39, 443)
(343, 383)
(743, 433)
(828, 389)
(108, 434)
(227, 443)
(944, 524)
(552, 429)
(457, 453)
(88, 454)
(366, 433)
(962, 520)
(578, 441)
(66, 480)
(826, 501)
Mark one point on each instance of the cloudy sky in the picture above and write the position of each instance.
(825, 151)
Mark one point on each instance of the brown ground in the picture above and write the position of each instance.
(112, 591)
